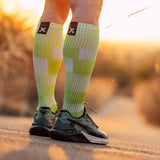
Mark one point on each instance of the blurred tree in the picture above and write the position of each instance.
(17, 84)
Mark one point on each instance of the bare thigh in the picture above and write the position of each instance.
(86, 11)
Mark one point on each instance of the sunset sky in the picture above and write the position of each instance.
(143, 26)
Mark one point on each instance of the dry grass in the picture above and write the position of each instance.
(16, 70)
(147, 96)
(99, 91)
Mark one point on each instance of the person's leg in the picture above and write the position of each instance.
(47, 53)
(80, 50)
(47, 57)
(55, 11)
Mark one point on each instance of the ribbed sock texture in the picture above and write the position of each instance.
(79, 52)
(47, 58)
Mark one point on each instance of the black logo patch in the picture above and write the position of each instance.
(72, 28)
(43, 28)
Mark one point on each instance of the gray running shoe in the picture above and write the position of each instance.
(83, 129)
(43, 122)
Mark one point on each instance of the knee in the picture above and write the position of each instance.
(56, 11)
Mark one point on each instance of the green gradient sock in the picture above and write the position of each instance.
(47, 58)
(79, 51)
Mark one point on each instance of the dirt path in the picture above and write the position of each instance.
(130, 138)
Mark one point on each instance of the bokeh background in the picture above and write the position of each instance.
(128, 60)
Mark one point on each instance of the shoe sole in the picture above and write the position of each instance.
(94, 139)
(80, 138)
(39, 131)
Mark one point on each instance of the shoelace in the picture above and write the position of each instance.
(90, 119)
(90, 108)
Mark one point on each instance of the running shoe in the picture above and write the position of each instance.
(43, 122)
(83, 129)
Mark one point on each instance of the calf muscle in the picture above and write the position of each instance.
(86, 11)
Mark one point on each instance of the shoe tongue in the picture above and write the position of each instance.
(65, 111)
(43, 109)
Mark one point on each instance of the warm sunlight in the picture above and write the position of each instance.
(143, 25)
(118, 80)
(114, 23)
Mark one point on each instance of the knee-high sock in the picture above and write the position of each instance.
(79, 52)
(47, 58)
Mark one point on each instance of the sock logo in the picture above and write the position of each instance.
(43, 28)
(72, 28)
